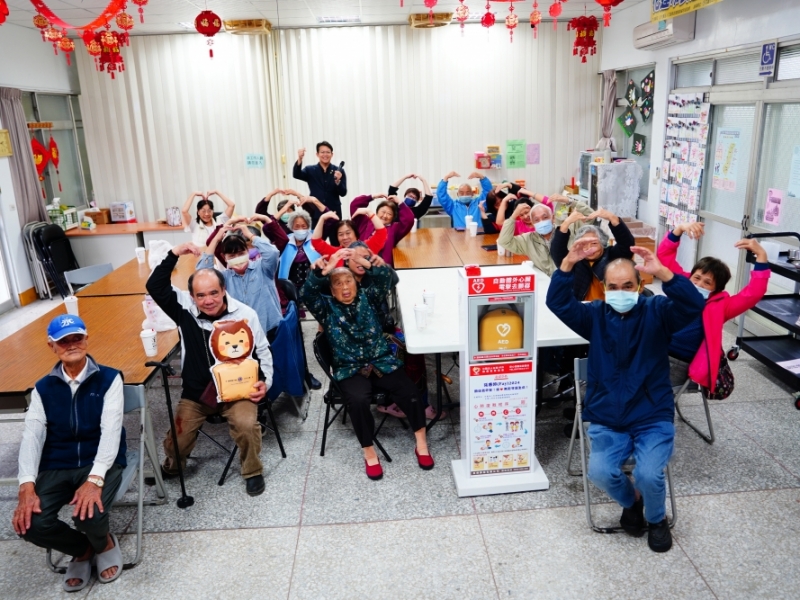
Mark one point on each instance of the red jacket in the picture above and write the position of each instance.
(720, 307)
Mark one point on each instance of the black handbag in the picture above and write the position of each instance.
(725, 380)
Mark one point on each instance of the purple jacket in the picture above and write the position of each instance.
(395, 231)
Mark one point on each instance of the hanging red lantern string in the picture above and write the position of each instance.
(462, 14)
(3, 11)
(110, 58)
(585, 42)
(51, 34)
(555, 12)
(141, 4)
(429, 4)
(512, 21)
(607, 4)
(66, 45)
(488, 19)
(40, 158)
(110, 11)
(536, 18)
(41, 23)
(208, 24)
(125, 22)
(54, 154)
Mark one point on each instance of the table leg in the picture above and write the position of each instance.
(152, 452)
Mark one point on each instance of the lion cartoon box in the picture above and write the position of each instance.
(235, 371)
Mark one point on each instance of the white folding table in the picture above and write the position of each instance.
(443, 332)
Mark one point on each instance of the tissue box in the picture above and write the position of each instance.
(122, 212)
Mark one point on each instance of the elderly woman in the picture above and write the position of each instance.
(299, 253)
(363, 364)
(536, 243)
(346, 233)
(412, 198)
(397, 218)
(589, 272)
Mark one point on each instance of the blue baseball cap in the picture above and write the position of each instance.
(64, 325)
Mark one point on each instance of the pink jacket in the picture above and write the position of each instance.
(720, 307)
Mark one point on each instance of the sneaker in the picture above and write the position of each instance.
(632, 519)
(255, 485)
(659, 537)
(392, 410)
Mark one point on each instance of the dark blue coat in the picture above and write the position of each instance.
(628, 375)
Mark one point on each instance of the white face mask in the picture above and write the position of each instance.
(300, 234)
(238, 261)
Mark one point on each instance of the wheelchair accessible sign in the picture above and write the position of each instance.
(768, 55)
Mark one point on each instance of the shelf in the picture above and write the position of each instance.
(783, 309)
(781, 267)
(773, 349)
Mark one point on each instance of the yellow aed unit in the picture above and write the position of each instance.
(500, 329)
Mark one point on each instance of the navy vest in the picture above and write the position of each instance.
(73, 423)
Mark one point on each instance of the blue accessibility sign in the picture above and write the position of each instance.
(768, 54)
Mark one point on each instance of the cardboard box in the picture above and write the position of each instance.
(101, 216)
(122, 212)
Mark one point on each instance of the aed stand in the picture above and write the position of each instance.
(497, 310)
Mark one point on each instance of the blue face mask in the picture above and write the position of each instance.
(543, 227)
(410, 202)
(621, 301)
(300, 234)
(465, 199)
(703, 291)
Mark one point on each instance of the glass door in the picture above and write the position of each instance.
(725, 183)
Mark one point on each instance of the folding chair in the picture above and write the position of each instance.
(691, 387)
(86, 275)
(578, 430)
(334, 396)
(45, 258)
(135, 459)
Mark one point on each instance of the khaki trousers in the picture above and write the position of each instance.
(242, 423)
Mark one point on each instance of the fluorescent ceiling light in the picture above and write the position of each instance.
(188, 26)
(332, 20)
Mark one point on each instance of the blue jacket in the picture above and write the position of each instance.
(628, 375)
(73, 422)
(288, 254)
(458, 210)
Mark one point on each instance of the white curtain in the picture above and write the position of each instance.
(394, 100)
(176, 121)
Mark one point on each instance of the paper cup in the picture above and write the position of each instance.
(473, 229)
(429, 298)
(71, 304)
(140, 255)
(421, 314)
(500, 250)
(149, 342)
(468, 220)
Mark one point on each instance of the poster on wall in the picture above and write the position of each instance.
(515, 154)
(726, 157)
(772, 211)
(667, 9)
(502, 417)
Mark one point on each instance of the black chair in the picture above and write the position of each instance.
(334, 396)
(45, 241)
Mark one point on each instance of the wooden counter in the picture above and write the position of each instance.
(131, 278)
(426, 248)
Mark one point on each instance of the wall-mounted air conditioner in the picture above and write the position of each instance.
(651, 36)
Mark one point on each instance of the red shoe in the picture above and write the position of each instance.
(425, 460)
(374, 472)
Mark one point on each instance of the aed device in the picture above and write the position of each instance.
(500, 329)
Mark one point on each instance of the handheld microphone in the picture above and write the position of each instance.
(341, 166)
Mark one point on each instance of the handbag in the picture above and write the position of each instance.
(725, 380)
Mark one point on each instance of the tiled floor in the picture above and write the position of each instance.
(323, 530)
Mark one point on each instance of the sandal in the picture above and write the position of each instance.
(108, 559)
(392, 410)
(78, 570)
(430, 413)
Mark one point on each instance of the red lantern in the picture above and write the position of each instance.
(512, 21)
(555, 12)
(585, 42)
(536, 18)
(110, 58)
(41, 23)
(51, 34)
(607, 4)
(125, 22)
(40, 158)
(208, 24)
(3, 11)
(462, 14)
(141, 4)
(54, 149)
(488, 19)
(67, 46)
(429, 4)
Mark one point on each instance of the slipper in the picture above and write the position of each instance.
(78, 570)
(108, 559)
(392, 410)
(430, 413)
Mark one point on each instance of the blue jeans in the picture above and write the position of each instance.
(651, 445)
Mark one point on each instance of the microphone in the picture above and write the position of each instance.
(341, 166)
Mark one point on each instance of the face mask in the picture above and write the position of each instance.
(543, 227)
(238, 261)
(301, 234)
(622, 301)
(285, 217)
(705, 293)
(253, 253)
(464, 199)
(410, 202)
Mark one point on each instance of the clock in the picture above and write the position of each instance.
(5, 143)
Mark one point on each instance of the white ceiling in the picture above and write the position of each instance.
(165, 16)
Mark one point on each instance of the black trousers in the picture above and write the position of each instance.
(55, 489)
(359, 390)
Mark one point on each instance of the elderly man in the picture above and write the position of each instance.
(73, 451)
(629, 402)
(195, 312)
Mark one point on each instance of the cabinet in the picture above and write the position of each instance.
(784, 310)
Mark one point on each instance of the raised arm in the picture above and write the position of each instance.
(443, 196)
(159, 284)
(754, 291)
(273, 231)
(230, 205)
(405, 220)
(667, 251)
(297, 170)
(508, 240)
(500, 217)
(311, 295)
(486, 185)
(185, 214)
(575, 314)
(396, 185)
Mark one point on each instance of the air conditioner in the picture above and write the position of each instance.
(426, 21)
(248, 26)
(651, 36)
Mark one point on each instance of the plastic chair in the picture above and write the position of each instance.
(86, 275)
(135, 466)
(334, 396)
(578, 430)
(691, 387)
